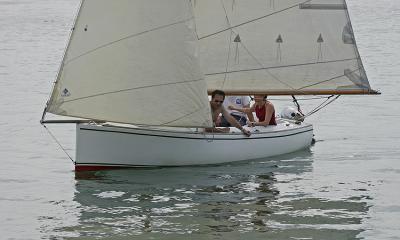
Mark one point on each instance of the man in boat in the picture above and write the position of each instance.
(264, 109)
(217, 108)
(239, 102)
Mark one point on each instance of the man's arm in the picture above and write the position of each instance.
(243, 110)
(234, 122)
(217, 130)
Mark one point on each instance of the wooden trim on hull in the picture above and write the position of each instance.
(202, 135)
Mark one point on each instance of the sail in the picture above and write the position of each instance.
(279, 47)
(133, 61)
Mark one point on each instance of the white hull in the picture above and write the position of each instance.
(114, 146)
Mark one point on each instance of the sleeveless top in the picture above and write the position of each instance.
(260, 113)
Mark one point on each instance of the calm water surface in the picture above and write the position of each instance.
(346, 186)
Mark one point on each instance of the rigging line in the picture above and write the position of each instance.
(227, 60)
(259, 63)
(127, 37)
(298, 99)
(230, 41)
(253, 20)
(312, 98)
(327, 80)
(179, 118)
(131, 89)
(297, 105)
(321, 107)
(59, 144)
(283, 66)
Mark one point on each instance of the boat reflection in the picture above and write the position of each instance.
(210, 202)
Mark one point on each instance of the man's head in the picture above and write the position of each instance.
(217, 98)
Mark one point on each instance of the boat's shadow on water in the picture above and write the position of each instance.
(207, 201)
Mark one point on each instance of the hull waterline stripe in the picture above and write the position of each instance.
(83, 167)
(105, 166)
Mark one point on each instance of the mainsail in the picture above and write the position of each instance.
(133, 61)
(151, 62)
(279, 47)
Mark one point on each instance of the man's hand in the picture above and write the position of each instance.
(251, 124)
(246, 132)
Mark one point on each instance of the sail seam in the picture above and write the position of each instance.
(323, 6)
(131, 89)
(327, 80)
(253, 20)
(127, 37)
(227, 60)
(259, 63)
(179, 118)
(230, 41)
(283, 66)
(355, 48)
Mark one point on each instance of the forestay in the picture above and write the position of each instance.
(133, 62)
(279, 47)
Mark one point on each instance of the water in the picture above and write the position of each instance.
(344, 187)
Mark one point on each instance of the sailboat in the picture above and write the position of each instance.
(137, 73)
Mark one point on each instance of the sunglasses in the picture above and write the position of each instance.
(218, 101)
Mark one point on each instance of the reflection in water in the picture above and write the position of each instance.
(210, 202)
